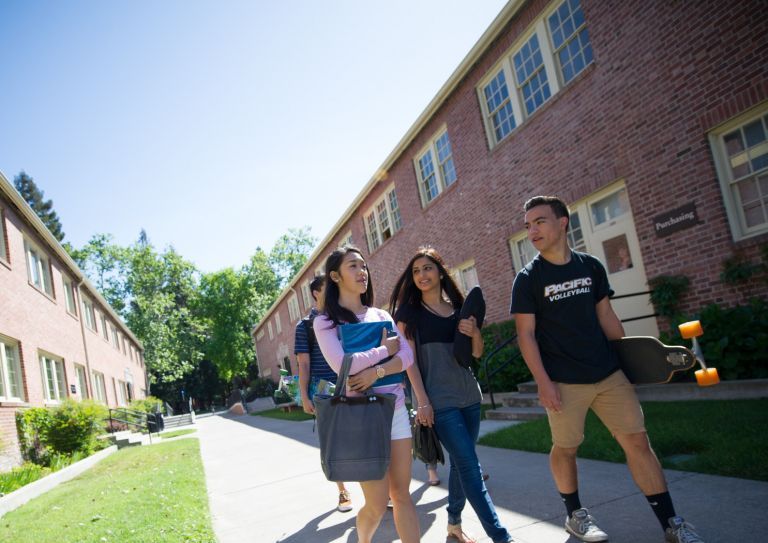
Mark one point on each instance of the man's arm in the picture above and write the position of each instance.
(303, 362)
(609, 322)
(549, 395)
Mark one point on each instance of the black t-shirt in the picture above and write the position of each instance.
(563, 298)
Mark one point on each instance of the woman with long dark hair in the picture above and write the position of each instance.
(426, 304)
(348, 298)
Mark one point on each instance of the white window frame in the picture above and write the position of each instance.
(259, 334)
(99, 386)
(70, 301)
(550, 68)
(382, 220)
(82, 383)
(269, 329)
(515, 243)
(53, 367)
(306, 296)
(347, 239)
(278, 323)
(294, 313)
(443, 167)
(115, 336)
(4, 256)
(11, 378)
(459, 274)
(104, 326)
(89, 316)
(38, 268)
(728, 184)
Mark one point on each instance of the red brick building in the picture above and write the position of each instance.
(59, 338)
(649, 118)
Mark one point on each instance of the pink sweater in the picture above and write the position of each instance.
(333, 352)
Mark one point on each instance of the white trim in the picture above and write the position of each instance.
(10, 371)
(54, 365)
(38, 267)
(382, 219)
(428, 161)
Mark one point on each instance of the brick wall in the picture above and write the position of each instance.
(665, 74)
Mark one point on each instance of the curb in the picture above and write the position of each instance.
(20, 496)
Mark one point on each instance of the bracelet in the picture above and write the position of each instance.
(423, 407)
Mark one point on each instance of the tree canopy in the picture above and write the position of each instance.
(35, 198)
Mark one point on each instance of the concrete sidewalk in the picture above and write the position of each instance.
(265, 485)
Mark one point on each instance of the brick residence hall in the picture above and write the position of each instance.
(649, 118)
(59, 338)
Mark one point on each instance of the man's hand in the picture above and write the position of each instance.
(362, 381)
(391, 343)
(549, 396)
(309, 407)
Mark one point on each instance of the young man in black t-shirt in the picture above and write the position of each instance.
(564, 321)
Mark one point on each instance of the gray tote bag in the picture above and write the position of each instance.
(355, 432)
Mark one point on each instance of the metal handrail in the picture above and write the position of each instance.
(142, 424)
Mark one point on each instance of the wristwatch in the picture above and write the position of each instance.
(380, 371)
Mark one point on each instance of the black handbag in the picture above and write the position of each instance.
(355, 432)
(426, 445)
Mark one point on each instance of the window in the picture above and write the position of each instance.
(610, 208)
(69, 296)
(741, 155)
(293, 309)
(99, 386)
(38, 268)
(104, 329)
(269, 329)
(575, 233)
(115, 337)
(435, 169)
(570, 39)
(88, 314)
(54, 379)
(259, 335)
(81, 381)
(465, 276)
(11, 388)
(383, 219)
(306, 296)
(522, 251)
(347, 240)
(278, 324)
(3, 242)
(122, 392)
(553, 50)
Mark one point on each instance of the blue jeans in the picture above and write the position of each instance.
(458, 430)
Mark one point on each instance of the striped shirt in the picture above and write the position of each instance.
(318, 367)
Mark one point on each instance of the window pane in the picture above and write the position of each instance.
(394, 210)
(610, 207)
(759, 157)
(754, 133)
(570, 39)
(733, 143)
(575, 233)
(531, 78)
(499, 107)
(3, 249)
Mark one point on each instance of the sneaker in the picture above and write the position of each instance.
(680, 531)
(345, 502)
(582, 526)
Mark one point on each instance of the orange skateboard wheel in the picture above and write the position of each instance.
(707, 377)
(691, 329)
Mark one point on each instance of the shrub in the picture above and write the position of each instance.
(512, 374)
(32, 425)
(150, 404)
(20, 476)
(74, 426)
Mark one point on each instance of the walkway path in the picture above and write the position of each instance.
(265, 485)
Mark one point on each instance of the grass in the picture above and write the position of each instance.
(29, 472)
(152, 494)
(176, 433)
(719, 437)
(296, 414)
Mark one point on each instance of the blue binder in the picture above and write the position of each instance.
(362, 336)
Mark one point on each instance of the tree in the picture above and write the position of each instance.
(106, 264)
(291, 252)
(43, 208)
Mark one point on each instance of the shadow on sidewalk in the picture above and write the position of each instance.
(312, 532)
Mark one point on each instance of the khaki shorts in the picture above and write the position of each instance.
(613, 400)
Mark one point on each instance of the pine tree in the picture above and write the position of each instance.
(43, 208)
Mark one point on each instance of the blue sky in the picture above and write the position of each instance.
(217, 126)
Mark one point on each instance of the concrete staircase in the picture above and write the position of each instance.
(520, 405)
(524, 404)
(127, 438)
(177, 420)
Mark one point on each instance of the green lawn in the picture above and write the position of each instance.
(721, 437)
(176, 433)
(295, 414)
(151, 494)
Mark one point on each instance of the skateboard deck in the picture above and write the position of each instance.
(645, 360)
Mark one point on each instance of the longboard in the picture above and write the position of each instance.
(645, 360)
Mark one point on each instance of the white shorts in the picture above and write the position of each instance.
(401, 424)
